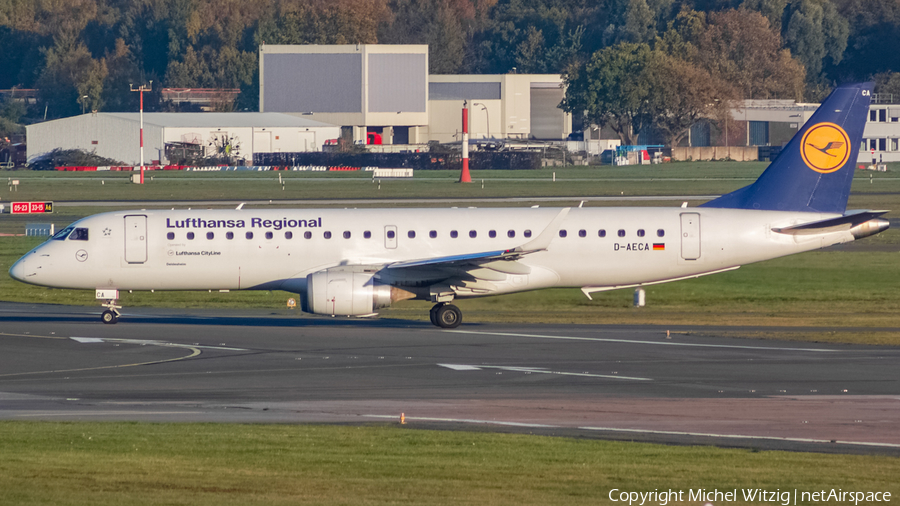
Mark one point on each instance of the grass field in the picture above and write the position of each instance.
(222, 464)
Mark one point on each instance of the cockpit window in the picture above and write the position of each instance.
(62, 234)
(79, 234)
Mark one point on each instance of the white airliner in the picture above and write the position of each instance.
(355, 261)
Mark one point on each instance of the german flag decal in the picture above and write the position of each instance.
(659, 246)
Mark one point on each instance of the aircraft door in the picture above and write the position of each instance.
(136, 239)
(690, 236)
(390, 236)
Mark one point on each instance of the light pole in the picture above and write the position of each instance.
(141, 91)
(83, 99)
(488, 115)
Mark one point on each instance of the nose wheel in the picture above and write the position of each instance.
(446, 316)
(111, 315)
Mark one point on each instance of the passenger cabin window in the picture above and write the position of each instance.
(621, 233)
(346, 234)
(527, 233)
(563, 233)
(210, 235)
(511, 234)
(249, 235)
(660, 233)
(62, 234)
(269, 235)
(367, 235)
(170, 236)
(288, 235)
(307, 235)
(433, 234)
(473, 234)
(328, 235)
(190, 236)
(492, 234)
(582, 233)
(79, 234)
(229, 235)
(411, 234)
(601, 233)
(390, 234)
(640, 232)
(454, 234)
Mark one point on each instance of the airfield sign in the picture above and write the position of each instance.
(32, 207)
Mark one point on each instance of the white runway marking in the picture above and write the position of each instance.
(537, 370)
(150, 342)
(630, 341)
(637, 431)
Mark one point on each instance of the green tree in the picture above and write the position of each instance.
(611, 89)
(538, 36)
(123, 72)
(815, 31)
(444, 26)
(682, 94)
(773, 10)
(71, 74)
(739, 47)
(872, 43)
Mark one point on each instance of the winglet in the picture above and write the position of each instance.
(542, 241)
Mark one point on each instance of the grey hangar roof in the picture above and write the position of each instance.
(218, 119)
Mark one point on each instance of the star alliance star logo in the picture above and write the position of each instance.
(107, 232)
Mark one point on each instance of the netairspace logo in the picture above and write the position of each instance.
(755, 495)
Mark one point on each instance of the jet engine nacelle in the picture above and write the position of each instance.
(348, 292)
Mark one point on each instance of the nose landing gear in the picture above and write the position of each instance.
(111, 315)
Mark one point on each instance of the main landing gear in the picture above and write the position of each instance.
(111, 315)
(446, 315)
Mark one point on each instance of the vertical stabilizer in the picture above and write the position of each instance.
(814, 171)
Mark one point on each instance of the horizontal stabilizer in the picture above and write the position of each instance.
(845, 222)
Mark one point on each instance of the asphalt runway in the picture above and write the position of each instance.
(611, 382)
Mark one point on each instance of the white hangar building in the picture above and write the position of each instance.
(386, 90)
(166, 135)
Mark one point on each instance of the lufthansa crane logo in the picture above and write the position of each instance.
(825, 147)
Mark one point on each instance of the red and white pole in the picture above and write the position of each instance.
(141, 89)
(142, 134)
(464, 176)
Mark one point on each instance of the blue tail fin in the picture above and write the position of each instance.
(814, 171)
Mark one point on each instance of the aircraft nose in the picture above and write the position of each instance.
(17, 271)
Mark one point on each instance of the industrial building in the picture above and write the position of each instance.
(169, 137)
(504, 106)
(386, 90)
(363, 88)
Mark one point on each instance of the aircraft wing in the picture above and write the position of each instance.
(471, 273)
(539, 243)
